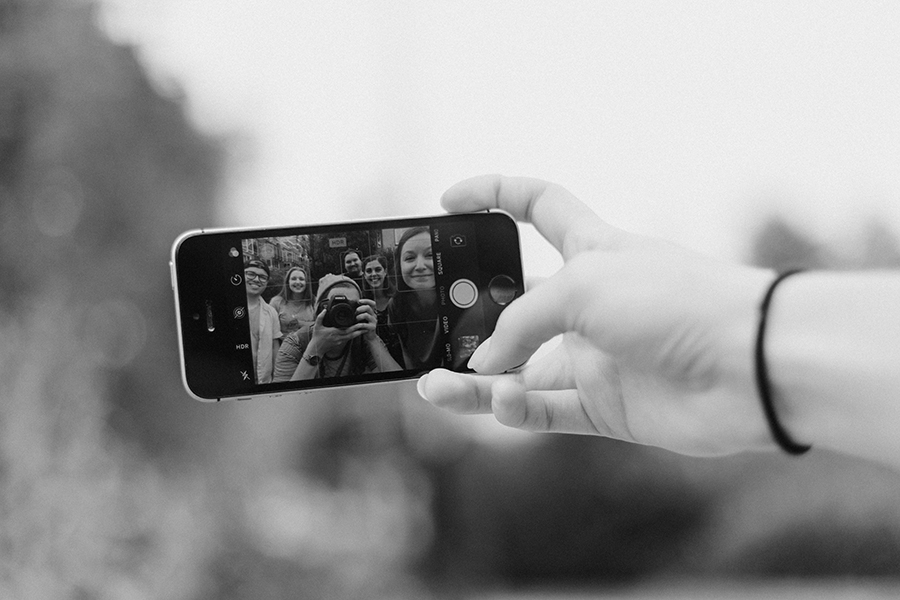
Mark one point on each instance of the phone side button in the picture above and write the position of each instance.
(172, 273)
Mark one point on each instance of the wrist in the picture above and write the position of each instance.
(833, 355)
(799, 353)
(768, 395)
(312, 349)
(742, 420)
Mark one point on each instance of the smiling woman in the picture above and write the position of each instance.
(416, 260)
(413, 311)
(378, 286)
(294, 302)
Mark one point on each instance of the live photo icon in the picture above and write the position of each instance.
(457, 241)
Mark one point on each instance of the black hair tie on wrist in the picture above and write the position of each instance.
(763, 384)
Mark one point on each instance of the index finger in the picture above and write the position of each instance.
(564, 220)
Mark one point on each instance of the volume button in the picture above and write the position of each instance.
(172, 273)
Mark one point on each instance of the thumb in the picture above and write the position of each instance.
(539, 315)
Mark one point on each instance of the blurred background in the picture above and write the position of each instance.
(764, 132)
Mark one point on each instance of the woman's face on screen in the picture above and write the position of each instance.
(416, 262)
(297, 281)
(374, 274)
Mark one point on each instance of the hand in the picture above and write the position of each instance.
(366, 319)
(325, 340)
(656, 341)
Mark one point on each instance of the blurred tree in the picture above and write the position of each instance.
(781, 247)
(98, 173)
(880, 247)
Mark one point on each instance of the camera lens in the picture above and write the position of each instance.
(343, 315)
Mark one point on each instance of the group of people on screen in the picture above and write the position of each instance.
(396, 318)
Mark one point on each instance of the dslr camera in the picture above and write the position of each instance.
(340, 313)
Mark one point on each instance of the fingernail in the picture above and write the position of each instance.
(479, 357)
(420, 386)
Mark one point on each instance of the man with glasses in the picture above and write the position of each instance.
(265, 331)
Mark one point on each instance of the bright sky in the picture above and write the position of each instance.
(684, 120)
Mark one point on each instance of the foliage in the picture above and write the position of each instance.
(98, 172)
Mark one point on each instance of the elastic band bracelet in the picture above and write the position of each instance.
(763, 384)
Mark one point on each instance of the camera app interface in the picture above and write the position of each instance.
(351, 305)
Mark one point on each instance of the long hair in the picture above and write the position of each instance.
(414, 324)
(287, 294)
(387, 286)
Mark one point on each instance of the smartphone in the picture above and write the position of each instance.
(273, 311)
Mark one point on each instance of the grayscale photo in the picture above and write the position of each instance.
(449, 300)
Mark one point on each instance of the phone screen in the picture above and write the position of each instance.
(276, 310)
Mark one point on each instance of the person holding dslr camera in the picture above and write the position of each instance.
(341, 342)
